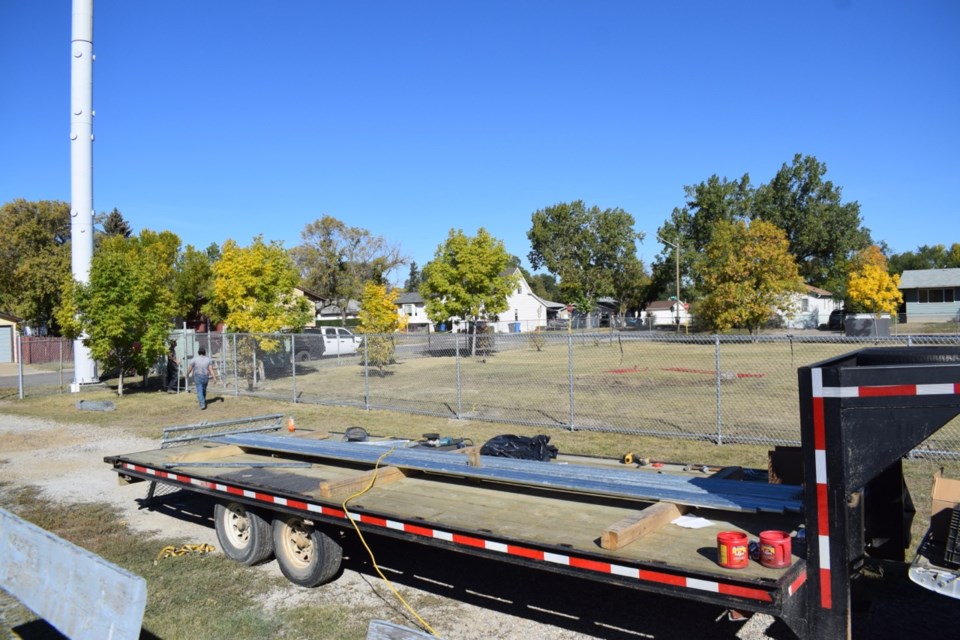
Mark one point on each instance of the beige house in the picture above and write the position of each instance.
(8, 337)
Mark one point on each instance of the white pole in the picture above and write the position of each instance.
(81, 168)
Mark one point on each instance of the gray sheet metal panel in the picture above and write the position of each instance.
(728, 495)
(78, 592)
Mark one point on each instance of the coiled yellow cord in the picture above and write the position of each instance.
(346, 512)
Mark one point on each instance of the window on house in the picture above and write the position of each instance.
(805, 305)
(408, 309)
(935, 295)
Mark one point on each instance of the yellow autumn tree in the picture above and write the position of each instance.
(748, 274)
(870, 286)
(378, 320)
(252, 292)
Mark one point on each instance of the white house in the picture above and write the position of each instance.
(413, 307)
(526, 311)
(931, 295)
(811, 309)
(664, 313)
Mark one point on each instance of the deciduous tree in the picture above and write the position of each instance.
(824, 233)
(379, 319)
(34, 259)
(870, 286)
(466, 278)
(583, 247)
(124, 311)
(748, 274)
(335, 260)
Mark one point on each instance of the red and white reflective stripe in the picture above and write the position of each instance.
(588, 564)
(796, 584)
(944, 389)
(823, 511)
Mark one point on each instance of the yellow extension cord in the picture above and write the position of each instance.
(171, 551)
(346, 511)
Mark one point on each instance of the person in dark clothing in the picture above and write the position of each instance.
(173, 369)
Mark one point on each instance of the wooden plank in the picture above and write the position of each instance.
(346, 487)
(637, 525)
(78, 592)
(207, 454)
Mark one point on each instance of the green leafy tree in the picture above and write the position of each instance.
(34, 259)
(583, 247)
(335, 260)
(926, 257)
(378, 319)
(466, 278)
(630, 284)
(870, 286)
(824, 233)
(691, 227)
(749, 275)
(124, 311)
(193, 280)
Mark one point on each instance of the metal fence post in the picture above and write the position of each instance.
(19, 354)
(293, 364)
(719, 407)
(459, 393)
(60, 369)
(570, 378)
(236, 372)
(366, 372)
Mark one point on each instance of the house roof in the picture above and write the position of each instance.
(922, 278)
(331, 309)
(311, 295)
(660, 305)
(10, 317)
(410, 298)
(817, 291)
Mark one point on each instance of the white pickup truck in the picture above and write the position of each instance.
(325, 341)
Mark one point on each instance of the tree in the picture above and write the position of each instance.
(115, 225)
(413, 280)
(926, 257)
(748, 274)
(34, 259)
(253, 292)
(823, 232)
(193, 279)
(466, 278)
(583, 247)
(630, 285)
(252, 289)
(691, 228)
(378, 319)
(336, 260)
(870, 286)
(124, 311)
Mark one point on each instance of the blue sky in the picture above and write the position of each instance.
(219, 119)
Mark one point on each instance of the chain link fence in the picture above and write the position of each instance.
(722, 389)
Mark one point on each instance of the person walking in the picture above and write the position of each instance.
(172, 379)
(202, 369)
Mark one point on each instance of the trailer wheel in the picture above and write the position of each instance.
(307, 556)
(244, 535)
(303, 356)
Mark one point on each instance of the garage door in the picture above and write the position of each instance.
(6, 344)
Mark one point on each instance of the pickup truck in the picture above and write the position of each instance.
(325, 341)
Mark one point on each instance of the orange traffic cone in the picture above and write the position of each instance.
(290, 426)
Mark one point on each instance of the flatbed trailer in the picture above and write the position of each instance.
(282, 495)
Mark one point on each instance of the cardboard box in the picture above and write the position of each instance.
(945, 495)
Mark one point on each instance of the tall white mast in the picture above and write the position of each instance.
(81, 168)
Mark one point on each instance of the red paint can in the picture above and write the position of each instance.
(732, 549)
(775, 549)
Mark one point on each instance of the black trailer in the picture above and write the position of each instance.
(285, 496)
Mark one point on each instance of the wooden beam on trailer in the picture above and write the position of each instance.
(620, 534)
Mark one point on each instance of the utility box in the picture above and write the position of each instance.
(944, 497)
(866, 325)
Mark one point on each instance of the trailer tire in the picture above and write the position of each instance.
(908, 355)
(244, 535)
(307, 556)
